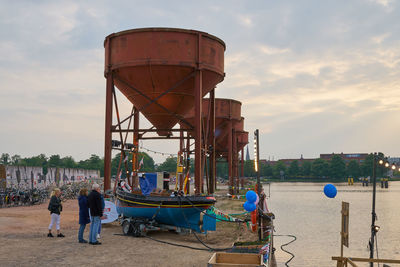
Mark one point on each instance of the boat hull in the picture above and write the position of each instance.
(177, 211)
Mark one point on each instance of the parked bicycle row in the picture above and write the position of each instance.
(15, 197)
(71, 190)
(12, 197)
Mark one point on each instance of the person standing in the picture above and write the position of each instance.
(55, 208)
(103, 205)
(94, 204)
(83, 213)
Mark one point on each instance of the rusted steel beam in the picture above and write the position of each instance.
(235, 162)
(212, 142)
(198, 176)
(108, 133)
(188, 159)
(120, 135)
(242, 168)
(136, 136)
(142, 131)
(230, 160)
(163, 138)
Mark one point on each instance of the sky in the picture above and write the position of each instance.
(313, 76)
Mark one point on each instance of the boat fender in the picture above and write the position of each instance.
(254, 220)
(126, 187)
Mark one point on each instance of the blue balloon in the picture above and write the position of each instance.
(249, 206)
(330, 190)
(251, 196)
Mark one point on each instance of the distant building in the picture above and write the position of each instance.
(359, 157)
(287, 162)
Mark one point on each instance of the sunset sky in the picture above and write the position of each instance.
(313, 76)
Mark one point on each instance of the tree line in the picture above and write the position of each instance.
(336, 168)
(94, 162)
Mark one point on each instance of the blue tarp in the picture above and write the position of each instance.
(148, 181)
(209, 222)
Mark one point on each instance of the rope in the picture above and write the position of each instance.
(204, 244)
(211, 216)
(176, 245)
(294, 239)
(236, 214)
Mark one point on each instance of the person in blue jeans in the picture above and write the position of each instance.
(96, 211)
(83, 213)
(103, 205)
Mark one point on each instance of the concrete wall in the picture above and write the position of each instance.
(61, 176)
(24, 177)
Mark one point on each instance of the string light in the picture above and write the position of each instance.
(156, 152)
(387, 164)
(255, 150)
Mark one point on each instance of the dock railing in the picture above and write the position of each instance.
(349, 261)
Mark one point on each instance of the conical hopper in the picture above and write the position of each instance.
(159, 65)
(243, 139)
(242, 136)
(225, 110)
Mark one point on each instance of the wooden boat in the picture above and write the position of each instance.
(179, 211)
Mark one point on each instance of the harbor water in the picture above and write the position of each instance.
(302, 210)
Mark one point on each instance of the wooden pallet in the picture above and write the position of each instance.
(224, 259)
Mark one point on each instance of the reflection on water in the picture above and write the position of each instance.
(302, 209)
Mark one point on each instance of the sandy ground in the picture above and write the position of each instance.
(24, 241)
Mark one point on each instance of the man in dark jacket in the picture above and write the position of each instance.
(96, 211)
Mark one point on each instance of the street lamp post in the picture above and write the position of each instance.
(377, 158)
(373, 226)
(257, 169)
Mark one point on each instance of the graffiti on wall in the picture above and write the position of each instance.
(24, 177)
(61, 176)
(3, 176)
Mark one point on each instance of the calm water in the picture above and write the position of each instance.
(302, 209)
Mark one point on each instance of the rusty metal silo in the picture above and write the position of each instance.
(228, 124)
(164, 72)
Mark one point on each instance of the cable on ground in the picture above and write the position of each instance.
(294, 239)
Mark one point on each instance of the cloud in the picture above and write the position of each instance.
(384, 3)
(379, 38)
(301, 79)
(269, 50)
(245, 21)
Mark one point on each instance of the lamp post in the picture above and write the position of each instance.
(257, 159)
(378, 158)
(373, 226)
(256, 168)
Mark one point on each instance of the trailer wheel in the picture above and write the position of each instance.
(138, 229)
(126, 227)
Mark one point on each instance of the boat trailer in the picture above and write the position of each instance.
(139, 227)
